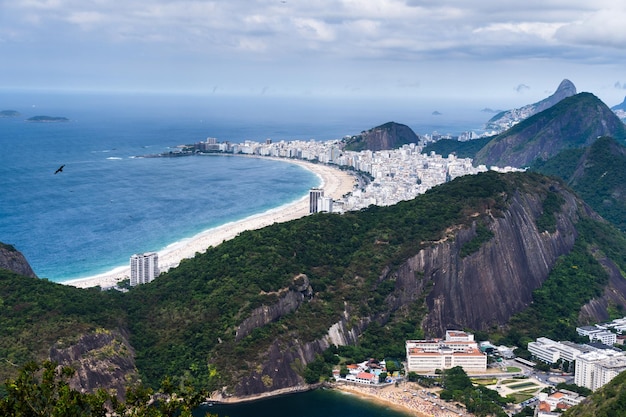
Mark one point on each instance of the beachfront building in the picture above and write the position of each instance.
(457, 349)
(315, 197)
(594, 369)
(144, 267)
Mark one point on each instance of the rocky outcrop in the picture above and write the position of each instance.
(13, 260)
(388, 136)
(572, 123)
(289, 300)
(102, 359)
(285, 361)
(596, 310)
(507, 119)
(477, 291)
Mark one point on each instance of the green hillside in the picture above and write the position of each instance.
(187, 323)
(597, 174)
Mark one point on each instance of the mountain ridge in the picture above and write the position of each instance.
(509, 118)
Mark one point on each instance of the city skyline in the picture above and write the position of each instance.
(507, 52)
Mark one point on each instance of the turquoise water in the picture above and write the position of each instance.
(108, 204)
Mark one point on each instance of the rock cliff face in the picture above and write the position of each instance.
(102, 359)
(388, 136)
(502, 275)
(288, 301)
(14, 261)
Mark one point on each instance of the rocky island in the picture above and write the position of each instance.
(47, 119)
(9, 113)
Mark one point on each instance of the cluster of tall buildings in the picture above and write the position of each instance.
(595, 364)
(397, 174)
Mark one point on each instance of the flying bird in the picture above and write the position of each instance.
(59, 169)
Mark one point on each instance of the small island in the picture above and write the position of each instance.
(47, 119)
(436, 113)
(9, 113)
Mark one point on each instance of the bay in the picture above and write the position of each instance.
(318, 403)
(108, 204)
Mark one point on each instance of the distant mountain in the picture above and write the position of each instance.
(47, 119)
(620, 110)
(506, 119)
(390, 135)
(574, 122)
(9, 113)
(597, 173)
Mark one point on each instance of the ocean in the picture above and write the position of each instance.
(109, 203)
(318, 403)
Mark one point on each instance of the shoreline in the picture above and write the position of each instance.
(399, 399)
(335, 183)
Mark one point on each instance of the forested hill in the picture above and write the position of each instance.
(574, 122)
(255, 313)
(597, 173)
(390, 135)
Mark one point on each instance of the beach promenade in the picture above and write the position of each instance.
(336, 183)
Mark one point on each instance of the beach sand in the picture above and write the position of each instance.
(402, 399)
(335, 182)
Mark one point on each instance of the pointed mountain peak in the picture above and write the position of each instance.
(507, 119)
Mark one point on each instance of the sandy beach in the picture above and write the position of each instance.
(336, 183)
(403, 399)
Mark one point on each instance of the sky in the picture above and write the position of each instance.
(513, 52)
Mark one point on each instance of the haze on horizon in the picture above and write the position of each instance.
(504, 51)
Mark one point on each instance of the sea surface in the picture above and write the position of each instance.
(318, 403)
(109, 202)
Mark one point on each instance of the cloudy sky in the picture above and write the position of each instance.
(516, 51)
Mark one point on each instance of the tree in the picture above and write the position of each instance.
(382, 377)
(43, 390)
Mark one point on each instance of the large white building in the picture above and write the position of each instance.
(457, 349)
(549, 351)
(594, 369)
(144, 267)
(596, 334)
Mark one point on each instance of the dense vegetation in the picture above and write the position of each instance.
(34, 314)
(597, 174)
(43, 390)
(462, 149)
(185, 323)
(478, 400)
(341, 255)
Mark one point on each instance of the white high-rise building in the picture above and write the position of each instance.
(144, 267)
(594, 369)
(315, 195)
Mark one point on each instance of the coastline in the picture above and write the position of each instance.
(400, 399)
(335, 183)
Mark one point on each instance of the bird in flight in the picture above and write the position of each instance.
(59, 169)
